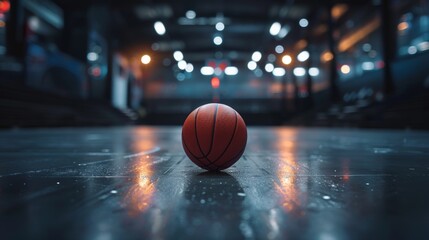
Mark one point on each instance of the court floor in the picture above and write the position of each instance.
(137, 183)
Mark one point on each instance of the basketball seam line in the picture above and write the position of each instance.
(189, 150)
(196, 134)
(206, 156)
(217, 168)
(197, 159)
(213, 132)
(230, 141)
(239, 154)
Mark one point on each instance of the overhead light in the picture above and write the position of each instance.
(206, 70)
(231, 70)
(252, 65)
(345, 69)
(217, 40)
(338, 10)
(423, 46)
(189, 67)
(314, 71)
(367, 66)
(286, 59)
(178, 55)
(218, 71)
(269, 67)
(358, 34)
(220, 26)
(190, 14)
(159, 28)
(303, 22)
(403, 26)
(258, 72)
(412, 50)
(299, 71)
(279, 49)
(279, 72)
(303, 56)
(92, 56)
(145, 59)
(275, 28)
(256, 56)
(271, 57)
(283, 31)
(180, 76)
(33, 23)
(366, 47)
(182, 64)
(326, 56)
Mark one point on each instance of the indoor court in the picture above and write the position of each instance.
(239, 119)
(291, 183)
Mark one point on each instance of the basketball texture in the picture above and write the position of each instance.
(214, 136)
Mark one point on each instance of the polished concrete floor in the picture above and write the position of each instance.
(137, 183)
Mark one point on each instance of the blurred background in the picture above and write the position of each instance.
(353, 63)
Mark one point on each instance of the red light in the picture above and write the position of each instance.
(4, 6)
(96, 71)
(379, 64)
(215, 82)
(223, 65)
(212, 64)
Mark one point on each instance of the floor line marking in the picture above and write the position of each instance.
(156, 149)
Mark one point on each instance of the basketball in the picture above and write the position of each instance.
(214, 136)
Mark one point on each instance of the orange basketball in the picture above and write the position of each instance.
(214, 136)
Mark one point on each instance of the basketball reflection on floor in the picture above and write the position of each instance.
(217, 200)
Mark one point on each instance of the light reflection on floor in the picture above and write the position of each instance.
(137, 183)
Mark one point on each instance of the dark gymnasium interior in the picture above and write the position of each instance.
(335, 96)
